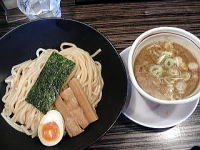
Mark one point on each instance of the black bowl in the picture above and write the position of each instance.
(21, 44)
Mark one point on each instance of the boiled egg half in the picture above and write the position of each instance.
(51, 128)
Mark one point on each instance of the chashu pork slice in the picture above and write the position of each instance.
(72, 127)
(73, 107)
(83, 101)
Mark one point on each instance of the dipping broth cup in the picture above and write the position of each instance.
(171, 34)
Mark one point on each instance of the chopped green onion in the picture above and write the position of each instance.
(173, 72)
(169, 62)
(163, 56)
(156, 70)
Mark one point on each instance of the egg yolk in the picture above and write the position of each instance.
(50, 131)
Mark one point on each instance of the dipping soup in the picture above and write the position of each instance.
(166, 70)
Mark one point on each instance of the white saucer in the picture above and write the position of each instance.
(150, 114)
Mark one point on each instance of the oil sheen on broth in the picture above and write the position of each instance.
(166, 70)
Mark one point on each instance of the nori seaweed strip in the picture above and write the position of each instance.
(46, 88)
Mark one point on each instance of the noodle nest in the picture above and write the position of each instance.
(23, 116)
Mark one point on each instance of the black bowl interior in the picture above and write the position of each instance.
(21, 44)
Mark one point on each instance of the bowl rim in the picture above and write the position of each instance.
(143, 36)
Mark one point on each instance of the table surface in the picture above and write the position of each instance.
(122, 22)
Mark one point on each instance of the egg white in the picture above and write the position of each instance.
(51, 116)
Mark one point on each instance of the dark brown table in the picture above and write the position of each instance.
(122, 22)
